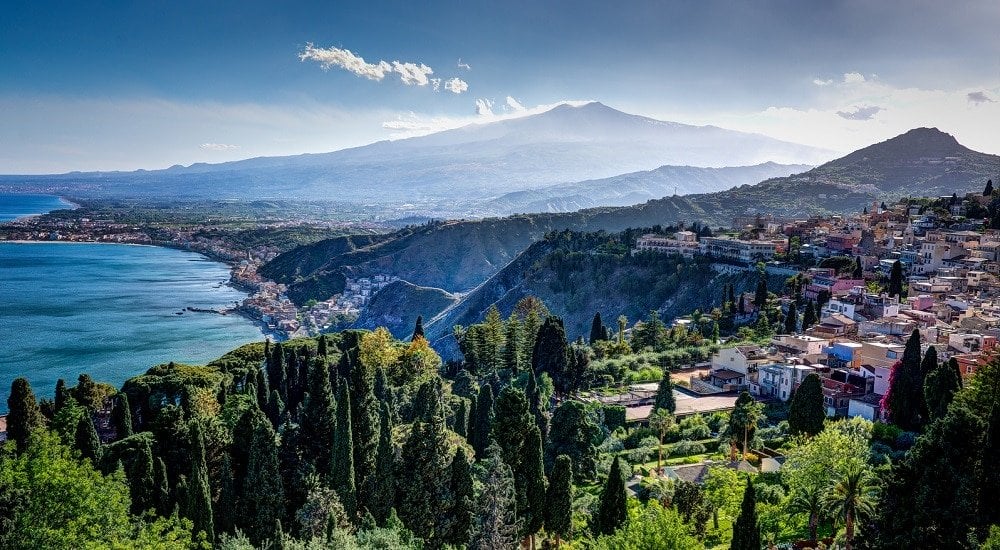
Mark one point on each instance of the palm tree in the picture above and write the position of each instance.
(660, 420)
(808, 501)
(852, 497)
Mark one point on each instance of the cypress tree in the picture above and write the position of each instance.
(760, 295)
(513, 342)
(418, 329)
(896, 279)
(858, 272)
(263, 497)
(495, 522)
(62, 393)
(142, 479)
(163, 502)
(549, 352)
(510, 425)
(86, 440)
(23, 416)
(199, 501)
(809, 318)
(533, 472)
(381, 498)
(275, 408)
(227, 504)
(806, 412)
(535, 405)
(906, 388)
(121, 416)
(929, 362)
(746, 532)
(86, 392)
(460, 528)
(321, 346)
(665, 395)
(484, 420)
(365, 425)
(792, 319)
(989, 188)
(426, 458)
(559, 499)
(940, 387)
(461, 423)
(342, 474)
(732, 298)
(318, 419)
(612, 511)
(596, 329)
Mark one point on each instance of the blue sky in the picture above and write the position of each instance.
(150, 84)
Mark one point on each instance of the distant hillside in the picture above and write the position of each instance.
(637, 187)
(398, 304)
(453, 171)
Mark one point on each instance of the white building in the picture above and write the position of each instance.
(737, 250)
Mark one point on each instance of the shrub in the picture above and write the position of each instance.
(886, 433)
(687, 448)
(614, 417)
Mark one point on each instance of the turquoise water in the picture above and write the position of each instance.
(16, 206)
(109, 310)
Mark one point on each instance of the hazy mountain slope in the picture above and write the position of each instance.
(637, 187)
(468, 164)
(457, 256)
(398, 304)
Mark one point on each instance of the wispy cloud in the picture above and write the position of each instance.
(461, 65)
(863, 112)
(979, 98)
(854, 78)
(484, 107)
(410, 73)
(412, 124)
(514, 105)
(218, 147)
(456, 85)
(820, 82)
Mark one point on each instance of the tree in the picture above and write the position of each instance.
(988, 191)
(535, 405)
(896, 279)
(596, 329)
(808, 500)
(462, 512)
(660, 420)
(342, 474)
(62, 394)
(852, 498)
(121, 416)
(365, 426)
(742, 423)
(199, 504)
(807, 413)
(760, 294)
(611, 510)
(483, 421)
(940, 387)
(321, 346)
(87, 441)
(496, 525)
(549, 353)
(905, 397)
(792, 319)
(418, 329)
(513, 342)
(24, 416)
(263, 497)
(746, 532)
(858, 272)
(382, 497)
(319, 418)
(426, 457)
(721, 489)
(559, 499)
(533, 474)
(573, 433)
(665, 395)
(809, 318)
(649, 526)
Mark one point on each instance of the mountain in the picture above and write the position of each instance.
(458, 256)
(637, 187)
(454, 170)
(397, 305)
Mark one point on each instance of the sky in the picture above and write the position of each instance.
(128, 85)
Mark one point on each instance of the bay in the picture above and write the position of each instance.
(109, 310)
(17, 206)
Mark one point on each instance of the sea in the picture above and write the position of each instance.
(109, 310)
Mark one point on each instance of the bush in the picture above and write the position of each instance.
(769, 494)
(695, 427)
(886, 433)
(636, 436)
(905, 440)
(614, 417)
(688, 448)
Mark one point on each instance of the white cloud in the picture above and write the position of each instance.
(345, 59)
(853, 78)
(514, 104)
(456, 85)
(484, 107)
(218, 147)
(412, 73)
(819, 82)
(861, 112)
(979, 98)
(436, 83)
(461, 65)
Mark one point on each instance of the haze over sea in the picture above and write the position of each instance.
(106, 309)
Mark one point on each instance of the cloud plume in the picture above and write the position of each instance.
(863, 112)
(410, 73)
(218, 147)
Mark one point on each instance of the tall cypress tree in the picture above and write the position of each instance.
(227, 505)
(23, 416)
(510, 425)
(86, 440)
(426, 458)
(559, 499)
(142, 479)
(460, 527)
(535, 404)
(461, 422)
(364, 426)
(792, 319)
(342, 474)
(418, 329)
(940, 387)
(199, 501)
(484, 420)
(163, 502)
(121, 416)
(665, 395)
(319, 418)
(806, 412)
(809, 318)
(746, 532)
(596, 329)
(988, 190)
(62, 393)
(263, 497)
(906, 388)
(612, 511)
(760, 295)
(896, 279)
(381, 497)
(513, 342)
(550, 351)
(533, 472)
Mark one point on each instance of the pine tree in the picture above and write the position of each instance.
(319, 418)
(792, 319)
(484, 420)
(905, 399)
(342, 474)
(496, 525)
(86, 440)
(23, 416)
(809, 318)
(596, 329)
(418, 329)
(746, 531)
(896, 279)
(806, 412)
(665, 395)
(612, 511)
(199, 501)
(381, 498)
(86, 393)
(460, 527)
(533, 471)
(559, 499)
(121, 416)
(263, 496)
